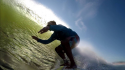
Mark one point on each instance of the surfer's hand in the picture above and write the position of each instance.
(34, 37)
(45, 29)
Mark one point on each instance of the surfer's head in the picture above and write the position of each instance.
(51, 23)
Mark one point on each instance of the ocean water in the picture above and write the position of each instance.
(18, 51)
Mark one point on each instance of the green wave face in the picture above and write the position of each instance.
(18, 51)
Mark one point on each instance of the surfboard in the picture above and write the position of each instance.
(63, 68)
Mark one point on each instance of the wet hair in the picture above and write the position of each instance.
(51, 23)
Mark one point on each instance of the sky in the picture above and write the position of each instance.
(99, 23)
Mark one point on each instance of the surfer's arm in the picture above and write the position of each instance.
(47, 41)
(45, 29)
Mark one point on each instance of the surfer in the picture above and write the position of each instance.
(69, 40)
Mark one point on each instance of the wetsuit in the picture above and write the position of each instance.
(61, 33)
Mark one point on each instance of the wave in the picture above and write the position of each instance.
(19, 52)
(87, 59)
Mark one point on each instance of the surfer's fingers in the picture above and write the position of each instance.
(41, 30)
(33, 37)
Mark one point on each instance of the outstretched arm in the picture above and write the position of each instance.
(44, 41)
